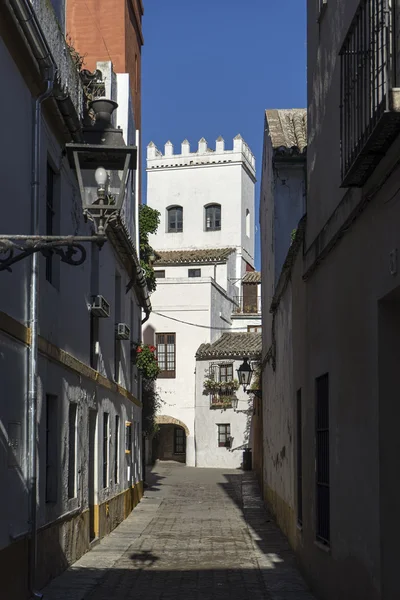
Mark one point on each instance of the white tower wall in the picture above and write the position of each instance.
(194, 180)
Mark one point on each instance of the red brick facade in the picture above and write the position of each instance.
(109, 30)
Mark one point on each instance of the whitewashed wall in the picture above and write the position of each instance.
(193, 180)
(208, 454)
(64, 320)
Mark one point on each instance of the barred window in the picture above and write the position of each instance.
(166, 353)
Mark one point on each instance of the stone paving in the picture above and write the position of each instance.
(198, 534)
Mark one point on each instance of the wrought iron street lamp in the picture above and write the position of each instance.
(244, 373)
(103, 167)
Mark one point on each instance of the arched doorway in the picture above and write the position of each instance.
(169, 443)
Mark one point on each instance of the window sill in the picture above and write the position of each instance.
(323, 547)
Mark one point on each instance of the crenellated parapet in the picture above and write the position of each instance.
(203, 155)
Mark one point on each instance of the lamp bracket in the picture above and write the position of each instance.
(70, 248)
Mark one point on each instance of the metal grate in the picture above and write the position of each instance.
(367, 70)
(322, 459)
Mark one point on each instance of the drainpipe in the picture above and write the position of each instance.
(33, 354)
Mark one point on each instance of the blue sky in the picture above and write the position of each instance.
(211, 68)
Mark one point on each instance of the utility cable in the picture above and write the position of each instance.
(231, 329)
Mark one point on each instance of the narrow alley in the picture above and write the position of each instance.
(197, 534)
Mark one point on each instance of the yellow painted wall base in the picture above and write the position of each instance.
(61, 544)
(283, 514)
(112, 512)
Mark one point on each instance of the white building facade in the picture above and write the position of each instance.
(205, 247)
(88, 430)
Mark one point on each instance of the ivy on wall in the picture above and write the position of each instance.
(149, 220)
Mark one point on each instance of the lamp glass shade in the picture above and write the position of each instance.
(245, 373)
(103, 173)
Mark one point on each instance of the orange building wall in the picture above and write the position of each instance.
(103, 30)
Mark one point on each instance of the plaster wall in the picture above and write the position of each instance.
(289, 207)
(64, 320)
(350, 308)
(196, 301)
(208, 454)
(325, 39)
(194, 181)
(279, 423)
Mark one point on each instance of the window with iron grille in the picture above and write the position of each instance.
(213, 217)
(72, 449)
(159, 274)
(51, 448)
(128, 437)
(299, 460)
(322, 459)
(106, 448)
(367, 73)
(224, 435)
(179, 440)
(166, 354)
(175, 219)
(116, 450)
(194, 272)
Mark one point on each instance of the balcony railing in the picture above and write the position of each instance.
(244, 305)
(221, 399)
(369, 109)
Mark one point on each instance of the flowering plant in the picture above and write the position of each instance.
(146, 361)
(220, 387)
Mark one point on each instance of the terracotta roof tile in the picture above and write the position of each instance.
(232, 345)
(205, 255)
(252, 277)
(288, 130)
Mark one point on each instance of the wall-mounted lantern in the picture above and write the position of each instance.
(244, 373)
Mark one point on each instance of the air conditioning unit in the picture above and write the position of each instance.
(122, 331)
(100, 307)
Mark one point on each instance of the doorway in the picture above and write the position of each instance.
(169, 443)
(92, 474)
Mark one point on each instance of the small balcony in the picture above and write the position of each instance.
(222, 400)
(370, 101)
(247, 306)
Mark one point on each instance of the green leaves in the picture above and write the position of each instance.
(146, 362)
(149, 220)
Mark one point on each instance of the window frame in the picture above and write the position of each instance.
(166, 373)
(194, 273)
(106, 449)
(179, 430)
(322, 461)
(175, 220)
(224, 429)
(117, 429)
(159, 273)
(212, 207)
(51, 483)
(72, 448)
(128, 437)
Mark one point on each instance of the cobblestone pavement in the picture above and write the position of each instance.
(198, 534)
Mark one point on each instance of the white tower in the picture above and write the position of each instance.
(206, 198)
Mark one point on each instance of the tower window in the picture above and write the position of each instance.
(213, 217)
(175, 219)
(247, 222)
